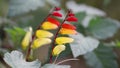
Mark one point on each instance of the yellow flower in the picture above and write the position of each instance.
(27, 38)
(58, 49)
(49, 25)
(43, 34)
(40, 42)
(67, 31)
(63, 40)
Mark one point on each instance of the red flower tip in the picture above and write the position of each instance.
(71, 14)
(68, 26)
(54, 21)
(57, 8)
(57, 14)
(72, 19)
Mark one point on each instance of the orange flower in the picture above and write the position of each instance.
(67, 31)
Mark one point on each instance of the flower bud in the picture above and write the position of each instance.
(27, 38)
(57, 8)
(72, 19)
(57, 14)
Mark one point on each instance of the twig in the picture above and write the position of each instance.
(66, 61)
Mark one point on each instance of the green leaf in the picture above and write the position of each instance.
(102, 57)
(16, 60)
(82, 45)
(117, 43)
(55, 66)
(103, 28)
(16, 34)
(18, 7)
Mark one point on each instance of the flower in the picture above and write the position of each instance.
(72, 19)
(40, 42)
(57, 8)
(57, 14)
(43, 34)
(27, 38)
(54, 21)
(67, 31)
(64, 40)
(68, 26)
(49, 25)
(58, 49)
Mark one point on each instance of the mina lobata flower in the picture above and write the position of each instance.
(48, 26)
(58, 14)
(58, 49)
(67, 31)
(54, 21)
(64, 40)
(72, 19)
(26, 40)
(51, 23)
(43, 34)
(40, 42)
(68, 26)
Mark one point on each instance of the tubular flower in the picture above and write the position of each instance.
(57, 8)
(68, 26)
(58, 49)
(57, 14)
(43, 34)
(64, 40)
(67, 31)
(54, 21)
(27, 38)
(72, 19)
(40, 42)
(48, 25)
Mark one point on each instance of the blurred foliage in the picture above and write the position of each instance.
(102, 57)
(16, 35)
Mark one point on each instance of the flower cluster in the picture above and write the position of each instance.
(43, 36)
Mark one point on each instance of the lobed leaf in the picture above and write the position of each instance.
(16, 60)
(82, 45)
